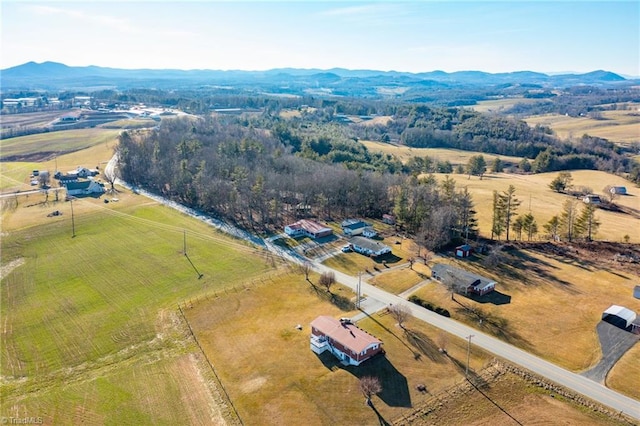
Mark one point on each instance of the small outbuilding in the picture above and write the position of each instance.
(619, 316)
(636, 292)
(618, 190)
(463, 250)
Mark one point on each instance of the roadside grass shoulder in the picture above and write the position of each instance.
(398, 280)
(621, 377)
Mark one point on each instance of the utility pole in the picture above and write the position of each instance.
(358, 289)
(466, 373)
(73, 223)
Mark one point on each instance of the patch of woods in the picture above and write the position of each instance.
(244, 174)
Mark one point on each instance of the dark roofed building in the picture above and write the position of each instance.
(464, 280)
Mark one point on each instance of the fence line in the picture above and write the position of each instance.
(235, 411)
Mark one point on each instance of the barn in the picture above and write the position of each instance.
(619, 316)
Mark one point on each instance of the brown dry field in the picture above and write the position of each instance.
(497, 105)
(617, 126)
(31, 118)
(15, 175)
(541, 300)
(534, 193)
(624, 375)
(272, 376)
(506, 399)
(454, 156)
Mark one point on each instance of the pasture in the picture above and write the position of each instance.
(91, 148)
(52, 144)
(622, 126)
(497, 105)
(541, 300)
(535, 195)
(82, 315)
(273, 377)
(31, 119)
(454, 156)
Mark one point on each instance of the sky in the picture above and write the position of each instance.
(411, 36)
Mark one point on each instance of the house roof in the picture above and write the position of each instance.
(465, 247)
(309, 226)
(366, 243)
(81, 184)
(347, 334)
(353, 224)
(621, 312)
(462, 276)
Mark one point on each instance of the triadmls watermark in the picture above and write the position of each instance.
(21, 420)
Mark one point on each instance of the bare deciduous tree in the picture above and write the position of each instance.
(305, 268)
(370, 386)
(111, 176)
(327, 279)
(400, 313)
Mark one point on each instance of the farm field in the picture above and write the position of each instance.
(272, 376)
(534, 193)
(454, 156)
(49, 145)
(14, 176)
(32, 119)
(497, 105)
(617, 126)
(539, 300)
(132, 123)
(81, 315)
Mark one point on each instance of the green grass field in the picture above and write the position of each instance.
(45, 145)
(77, 307)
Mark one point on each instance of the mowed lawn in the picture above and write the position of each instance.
(273, 377)
(55, 143)
(535, 195)
(74, 308)
(548, 306)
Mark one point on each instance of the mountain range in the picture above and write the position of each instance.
(337, 81)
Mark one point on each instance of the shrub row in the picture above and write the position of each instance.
(437, 309)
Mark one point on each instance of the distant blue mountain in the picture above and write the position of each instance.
(57, 76)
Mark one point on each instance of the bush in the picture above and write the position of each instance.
(437, 309)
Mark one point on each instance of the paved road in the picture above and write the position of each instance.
(576, 382)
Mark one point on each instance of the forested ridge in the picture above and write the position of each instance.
(249, 176)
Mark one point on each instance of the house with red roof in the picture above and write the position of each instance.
(307, 228)
(350, 344)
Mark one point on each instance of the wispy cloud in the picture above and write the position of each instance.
(112, 23)
(366, 13)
